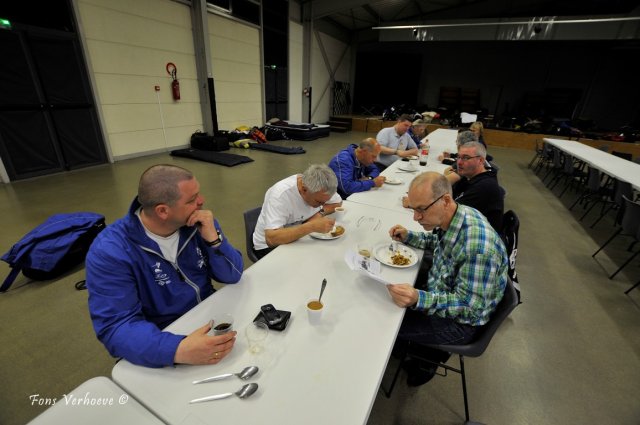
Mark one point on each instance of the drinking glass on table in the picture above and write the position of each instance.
(256, 333)
(365, 249)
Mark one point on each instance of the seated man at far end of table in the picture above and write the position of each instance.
(476, 186)
(295, 207)
(396, 142)
(462, 138)
(155, 264)
(465, 283)
(355, 169)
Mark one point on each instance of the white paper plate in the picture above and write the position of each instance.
(407, 166)
(383, 254)
(327, 236)
(393, 181)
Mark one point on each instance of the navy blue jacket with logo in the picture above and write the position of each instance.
(349, 171)
(134, 291)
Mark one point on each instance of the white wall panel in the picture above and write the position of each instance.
(295, 72)
(139, 31)
(164, 11)
(236, 64)
(128, 46)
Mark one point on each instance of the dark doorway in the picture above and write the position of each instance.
(275, 33)
(48, 121)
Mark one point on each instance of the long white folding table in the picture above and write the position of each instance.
(389, 196)
(611, 165)
(325, 374)
(98, 401)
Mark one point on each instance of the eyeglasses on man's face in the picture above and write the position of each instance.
(423, 210)
(465, 158)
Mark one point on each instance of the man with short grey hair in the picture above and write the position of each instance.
(295, 207)
(475, 185)
(463, 137)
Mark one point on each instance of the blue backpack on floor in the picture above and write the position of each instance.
(54, 247)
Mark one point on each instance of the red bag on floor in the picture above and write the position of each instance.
(257, 135)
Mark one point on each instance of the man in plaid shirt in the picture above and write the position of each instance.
(466, 281)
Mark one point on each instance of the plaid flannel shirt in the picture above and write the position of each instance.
(469, 272)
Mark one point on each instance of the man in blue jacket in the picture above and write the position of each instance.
(354, 168)
(155, 264)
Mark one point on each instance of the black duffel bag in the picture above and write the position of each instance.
(203, 141)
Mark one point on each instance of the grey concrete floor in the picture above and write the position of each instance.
(569, 354)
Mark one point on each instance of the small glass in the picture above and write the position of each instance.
(256, 333)
(221, 324)
(365, 249)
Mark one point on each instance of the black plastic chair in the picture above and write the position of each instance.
(621, 189)
(474, 349)
(250, 220)
(594, 192)
(545, 159)
(630, 227)
(572, 173)
(556, 165)
(538, 155)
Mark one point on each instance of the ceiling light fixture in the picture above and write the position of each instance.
(534, 21)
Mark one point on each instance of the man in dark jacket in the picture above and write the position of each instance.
(354, 168)
(155, 264)
(478, 186)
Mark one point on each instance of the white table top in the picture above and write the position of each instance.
(326, 374)
(440, 140)
(611, 165)
(80, 407)
(389, 196)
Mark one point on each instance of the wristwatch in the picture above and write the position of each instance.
(216, 241)
(322, 212)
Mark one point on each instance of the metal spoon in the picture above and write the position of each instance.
(243, 392)
(246, 373)
(324, 285)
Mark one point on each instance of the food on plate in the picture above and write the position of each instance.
(339, 230)
(399, 260)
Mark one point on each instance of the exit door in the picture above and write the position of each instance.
(48, 121)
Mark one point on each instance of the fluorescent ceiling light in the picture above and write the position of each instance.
(533, 21)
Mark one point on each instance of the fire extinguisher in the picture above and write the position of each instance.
(175, 84)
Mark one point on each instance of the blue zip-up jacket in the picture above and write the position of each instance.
(349, 171)
(134, 291)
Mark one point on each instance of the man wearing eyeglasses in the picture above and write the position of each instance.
(466, 281)
(295, 207)
(476, 186)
